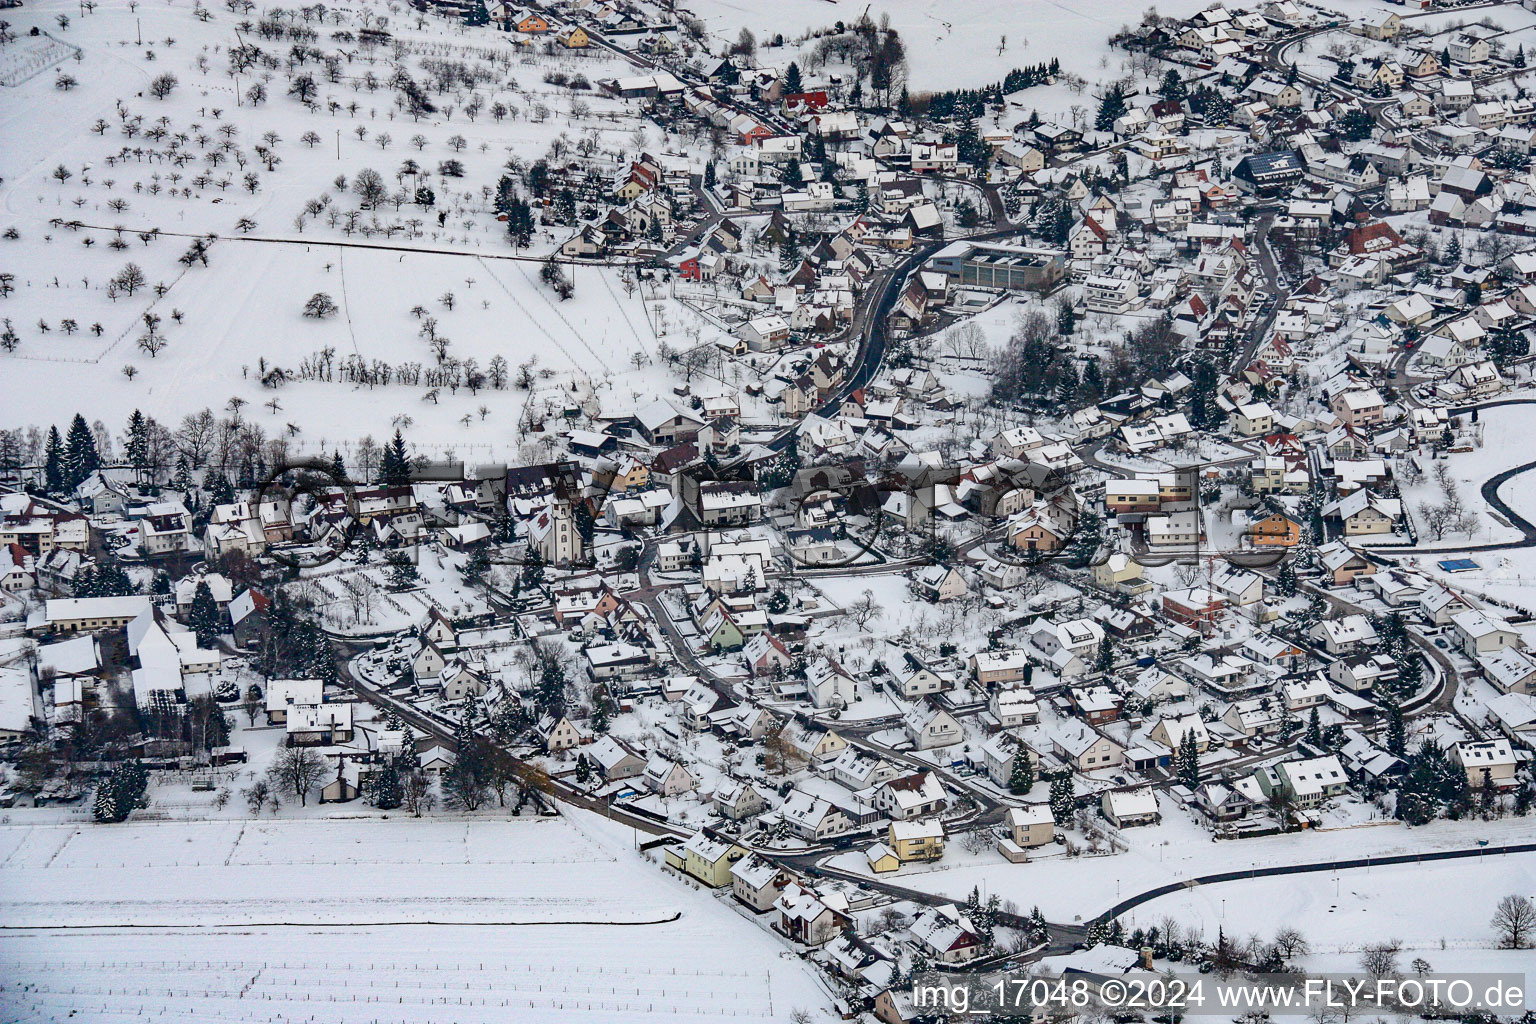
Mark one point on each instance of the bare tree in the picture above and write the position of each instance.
(298, 769)
(864, 609)
(1291, 943)
(1515, 920)
(416, 791)
(1380, 960)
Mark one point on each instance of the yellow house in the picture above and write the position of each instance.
(631, 189)
(532, 24)
(631, 475)
(575, 39)
(1389, 27)
(917, 840)
(882, 859)
(709, 860)
(1118, 569)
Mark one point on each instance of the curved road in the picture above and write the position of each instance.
(1137, 900)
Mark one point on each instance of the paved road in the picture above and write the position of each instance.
(1273, 284)
(1137, 900)
(1442, 697)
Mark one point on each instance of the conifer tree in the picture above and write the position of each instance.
(395, 466)
(53, 462)
(386, 791)
(137, 447)
(1062, 802)
(204, 616)
(1188, 767)
(792, 83)
(1397, 737)
(80, 457)
(1022, 778)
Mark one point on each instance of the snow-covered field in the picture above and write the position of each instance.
(951, 47)
(367, 920)
(1342, 912)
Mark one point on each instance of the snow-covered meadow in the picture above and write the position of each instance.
(1341, 912)
(365, 920)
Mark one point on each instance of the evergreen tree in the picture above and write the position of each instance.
(1356, 125)
(220, 490)
(1062, 799)
(1110, 108)
(792, 83)
(402, 571)
(120, 791)
(80, 457)
(1093, 380)
(969, 149)
(1410, 674)
(1314, 735)
(205, 618)
(338, 467)
(1022, 778)
(1397, 740)
(1188, 758)
(106, 808)
(709, 174)
(217, 734)
(1519, 58)
(1066, 319)
(1285, 579)
(532, 576)
(395, 465)
(1452, 251)
(506, 195)
(583, 769)
(385, 788)
(53, 462)
(1066, 384)
(137, 447)
(789, 257)
(1106, 658)
(476, 566)
(183, 480)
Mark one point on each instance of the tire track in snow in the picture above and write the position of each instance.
(569, 326)
(346, 306)
(533, 321)
(620, 307)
